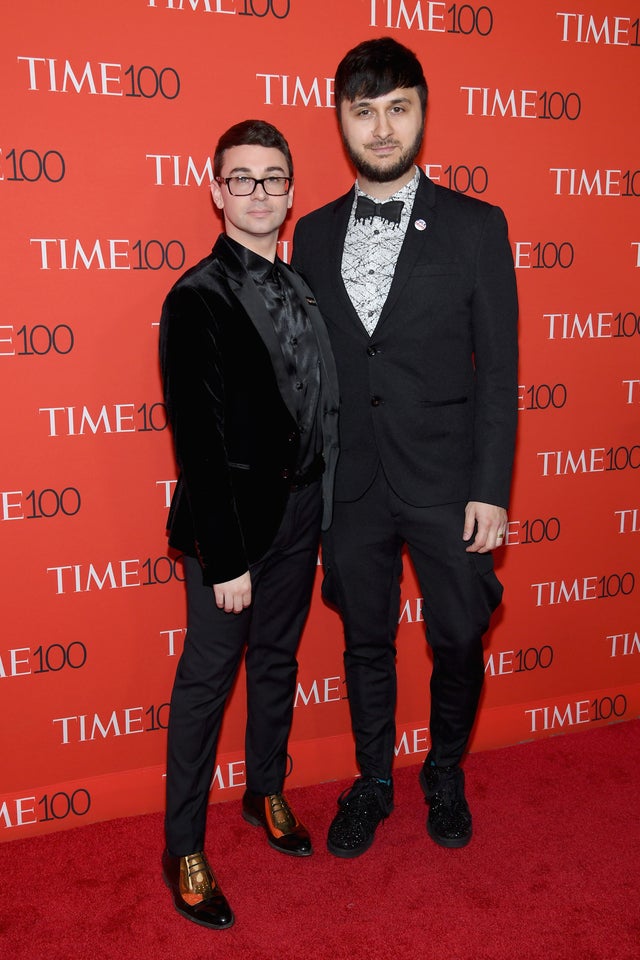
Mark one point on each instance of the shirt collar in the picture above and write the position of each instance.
(406, 193)
(259, 268)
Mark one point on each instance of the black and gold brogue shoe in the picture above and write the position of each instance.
(196, 894)
(283, 829)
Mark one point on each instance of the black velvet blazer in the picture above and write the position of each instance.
(432, 394)
(226, 391)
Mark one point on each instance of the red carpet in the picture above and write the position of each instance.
(552, 873)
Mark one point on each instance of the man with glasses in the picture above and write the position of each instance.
(251, 393)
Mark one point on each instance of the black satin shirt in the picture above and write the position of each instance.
(298, 344)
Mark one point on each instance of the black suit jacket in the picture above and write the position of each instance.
(230, 407)
(432, 394)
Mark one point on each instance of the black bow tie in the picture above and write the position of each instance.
(366, 209)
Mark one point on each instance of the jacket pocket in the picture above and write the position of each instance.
(442, 403)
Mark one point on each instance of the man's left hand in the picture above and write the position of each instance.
(491, 526)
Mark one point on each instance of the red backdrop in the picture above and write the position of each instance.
(109, 120)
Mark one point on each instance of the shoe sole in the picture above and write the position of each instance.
(290, 853)
(453, 843)
(201, 923)
(349, 854)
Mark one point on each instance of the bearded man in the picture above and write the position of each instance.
(417, 288)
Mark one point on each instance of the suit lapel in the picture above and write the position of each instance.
(420, 242)
(337, 234)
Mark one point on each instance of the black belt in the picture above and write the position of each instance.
(310, 475)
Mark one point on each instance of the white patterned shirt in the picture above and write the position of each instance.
(371, 250)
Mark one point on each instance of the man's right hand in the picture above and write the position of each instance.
(234, 595)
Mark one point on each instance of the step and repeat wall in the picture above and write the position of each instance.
(110, 115)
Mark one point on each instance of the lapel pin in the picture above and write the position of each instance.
(420, 225)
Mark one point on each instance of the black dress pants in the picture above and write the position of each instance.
(363, 564)
(270, 630)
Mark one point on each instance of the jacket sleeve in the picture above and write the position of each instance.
(193, 382)
(495, 343)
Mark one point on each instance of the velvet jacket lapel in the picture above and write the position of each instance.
(244, 288)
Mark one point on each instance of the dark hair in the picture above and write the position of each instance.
(376, 67)
(250, 132)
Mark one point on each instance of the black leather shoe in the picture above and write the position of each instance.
(362, 807)
(283, 829)
(196, 895)
(449, 820)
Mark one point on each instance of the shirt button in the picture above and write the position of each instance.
(375, 401)
(299, 384)
(371, 272)
(294, 341)
(371, 351)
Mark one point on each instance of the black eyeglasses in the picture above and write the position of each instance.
(244, 186)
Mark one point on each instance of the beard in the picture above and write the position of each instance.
(385, 174)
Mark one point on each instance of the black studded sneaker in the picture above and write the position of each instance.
(362, 807)
(449, 820)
